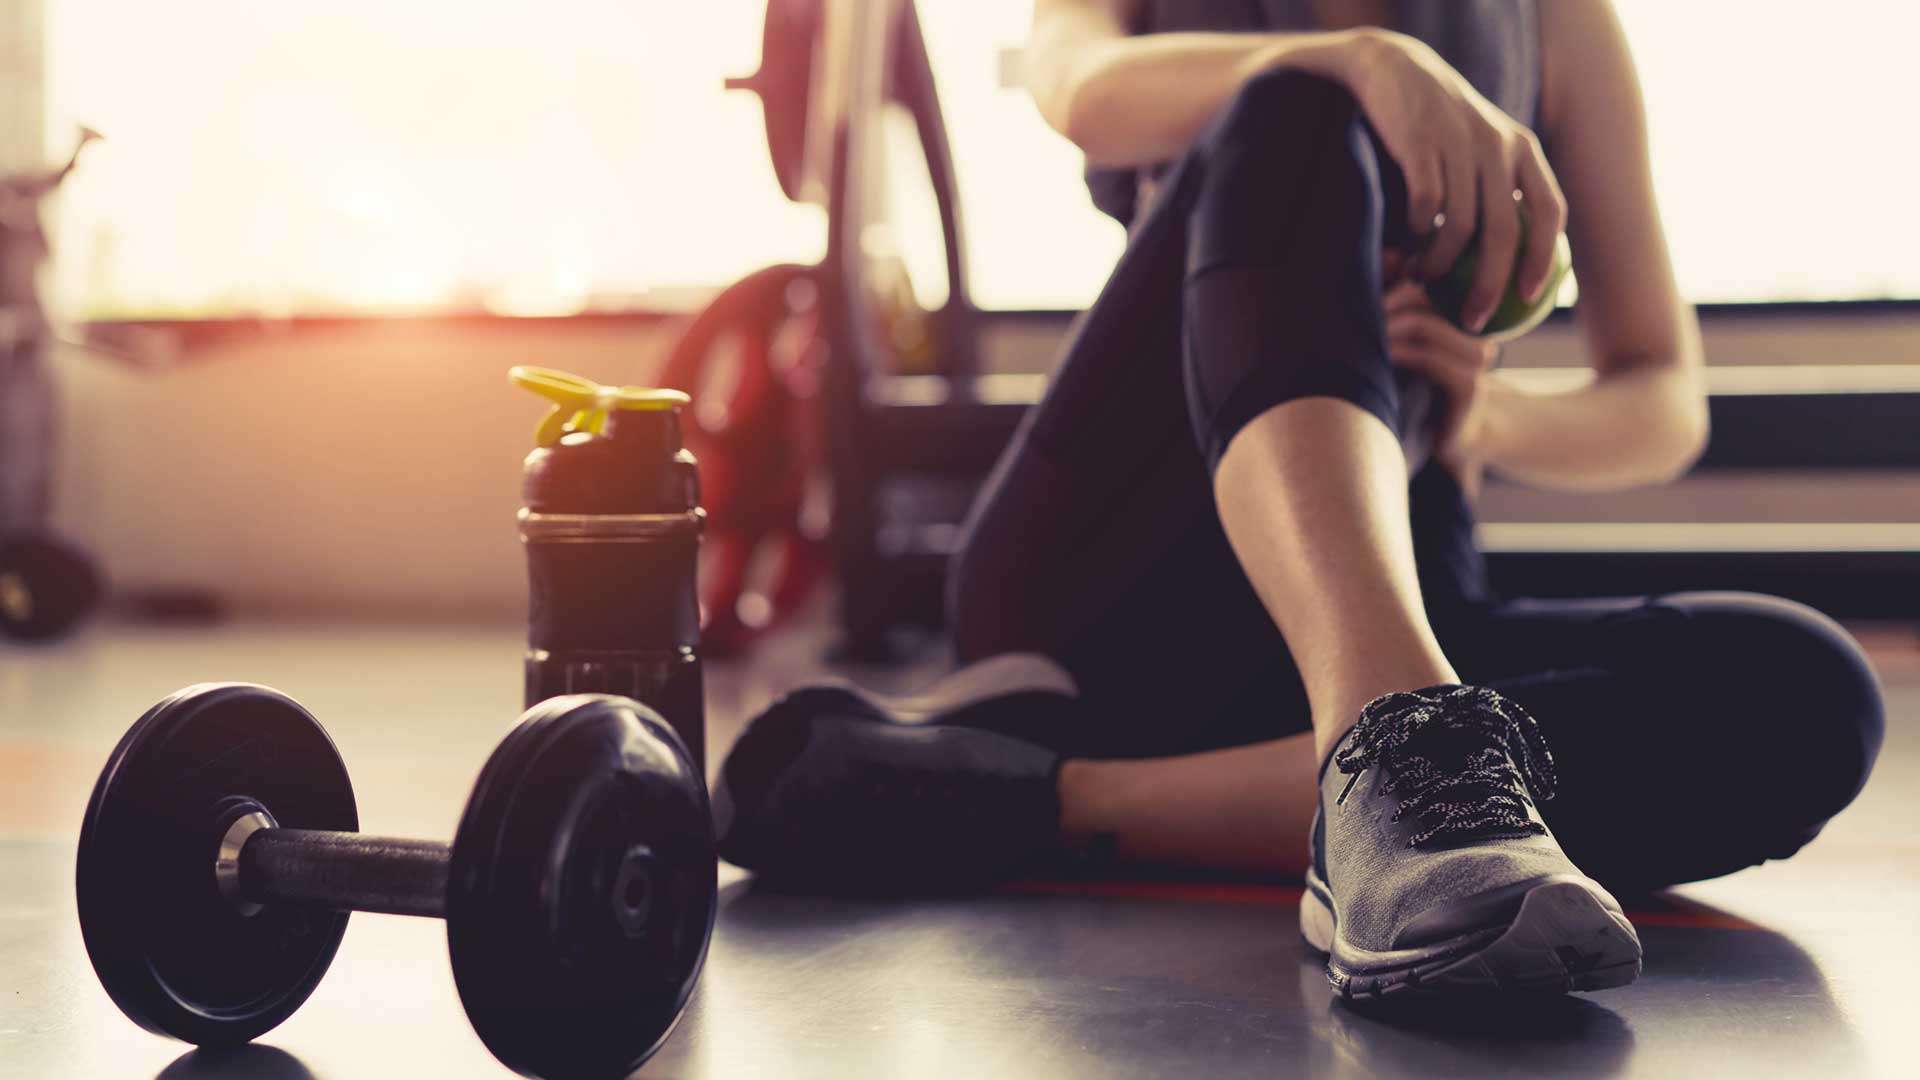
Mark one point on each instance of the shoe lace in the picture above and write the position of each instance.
(1483, 792)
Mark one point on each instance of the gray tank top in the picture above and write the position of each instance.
(1495, 44)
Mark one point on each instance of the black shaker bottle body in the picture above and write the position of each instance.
(611, 528)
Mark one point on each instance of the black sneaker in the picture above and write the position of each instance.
(1432, 869)
(822, 793)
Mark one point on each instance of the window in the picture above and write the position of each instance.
(1781, 141)
(1781, 137)
(431, 154)
(581, 154)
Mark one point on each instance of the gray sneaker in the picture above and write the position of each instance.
(1431, 868)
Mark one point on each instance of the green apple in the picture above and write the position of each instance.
(1515, 315)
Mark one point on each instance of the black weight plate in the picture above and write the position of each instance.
(582, 888)
(46, 585)
(170, 950)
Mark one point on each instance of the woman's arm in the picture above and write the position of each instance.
(1641, 418)
(1132, 100)
(1140, 100)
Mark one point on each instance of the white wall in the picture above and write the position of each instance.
(366, 468)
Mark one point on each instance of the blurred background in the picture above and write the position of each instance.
(584, 156)
(286, 286)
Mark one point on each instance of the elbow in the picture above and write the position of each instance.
(1055, 104)
(1077, 123)
(1054, 85)
(1684, 438)
(1693, 421)
(1698, 432)
(1071, 107)
(1087, 128)
(1073, 100)
(1673, 430)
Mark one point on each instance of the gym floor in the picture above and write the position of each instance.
(1803, 968)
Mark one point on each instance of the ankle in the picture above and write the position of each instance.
(1088, 839)
(1073, 785)
(1335, 712)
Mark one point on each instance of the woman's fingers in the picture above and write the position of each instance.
(1394, 264)
(1484, 174)
(1459, 212)
(1446, 373)
(1403, 295)
(1414, 317)
(1431, 358)
(1546, 217)
(1419, 330)
(1499, 239)
(1426, 194)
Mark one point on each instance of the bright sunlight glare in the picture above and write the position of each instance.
(581, 154)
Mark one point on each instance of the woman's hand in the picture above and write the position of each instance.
(1422, 340)
(1465, 162)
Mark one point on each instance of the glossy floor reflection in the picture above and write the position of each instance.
(1796, 969)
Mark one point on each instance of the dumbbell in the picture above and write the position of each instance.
(220, 856)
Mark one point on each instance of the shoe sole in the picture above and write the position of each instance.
(1563, 939)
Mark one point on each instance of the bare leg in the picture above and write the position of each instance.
(1313, 496)
(1245, 808)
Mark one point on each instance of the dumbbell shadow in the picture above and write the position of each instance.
(248, 1060)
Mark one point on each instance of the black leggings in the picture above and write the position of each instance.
(1695, 733)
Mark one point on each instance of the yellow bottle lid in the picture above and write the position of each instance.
(580, 404)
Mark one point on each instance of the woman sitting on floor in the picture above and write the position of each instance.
(1220, 607)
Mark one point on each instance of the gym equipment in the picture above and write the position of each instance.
(612, 527)
(784, 84)
(1515, 314)
(46, 584)
(219, 858)
(752, 360)
(906, 424)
